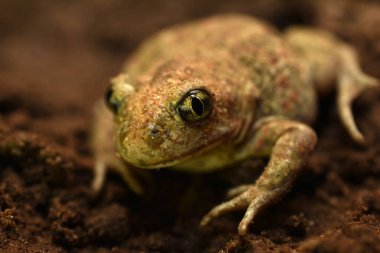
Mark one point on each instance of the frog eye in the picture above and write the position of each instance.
(194, 105)
(112, 102)
(118, 91)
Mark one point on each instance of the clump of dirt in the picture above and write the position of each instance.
(55, 61)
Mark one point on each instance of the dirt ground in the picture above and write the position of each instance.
(56, 58)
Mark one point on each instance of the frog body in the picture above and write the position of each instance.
(205, 95)
(238, 47)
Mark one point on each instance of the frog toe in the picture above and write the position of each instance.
(235, 191)
(258, 202)
(99, 176)
(237, 203)
(351, 83)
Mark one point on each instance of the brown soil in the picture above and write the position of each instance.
(55, 60)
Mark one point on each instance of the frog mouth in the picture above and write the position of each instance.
(178, 159)
(186, 156)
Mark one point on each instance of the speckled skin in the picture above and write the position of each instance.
(263, 89)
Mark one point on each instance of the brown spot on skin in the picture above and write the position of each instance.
(283, 83)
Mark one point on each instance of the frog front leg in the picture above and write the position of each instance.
(105, 153)
(288, 144)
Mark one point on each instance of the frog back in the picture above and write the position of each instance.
(241, 42)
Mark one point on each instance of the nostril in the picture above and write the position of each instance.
(154, 130)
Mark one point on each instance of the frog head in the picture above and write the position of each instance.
(179, 110)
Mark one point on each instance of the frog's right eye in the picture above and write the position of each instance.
(112, 102)
(118, 91)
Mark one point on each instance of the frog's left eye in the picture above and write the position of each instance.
(195, 105)
(112, 102)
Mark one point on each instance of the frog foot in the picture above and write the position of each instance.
(119, 167)
(246, 197)
(288, 143)
(235, 191)
(351, 83)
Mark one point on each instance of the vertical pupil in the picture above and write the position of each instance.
(197, 106)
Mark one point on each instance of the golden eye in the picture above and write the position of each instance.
(112, 102)
(194, 105)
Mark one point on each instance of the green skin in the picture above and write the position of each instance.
(263, 88)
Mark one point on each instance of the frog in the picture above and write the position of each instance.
(210, 93)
